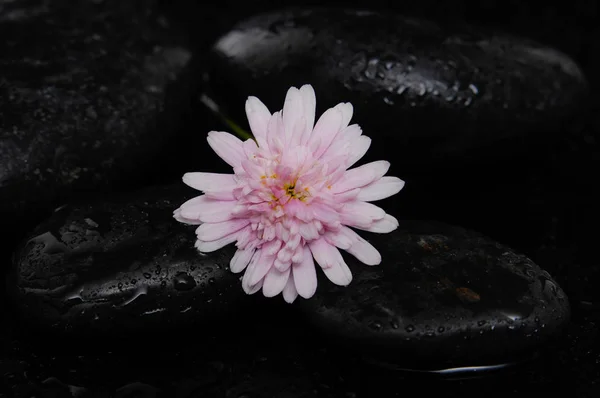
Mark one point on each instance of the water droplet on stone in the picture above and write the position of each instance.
(211, 280)
(394, 324)
(409, 328)
(51, 244)
(388, 101)
(376, 325)
(481, 323)
(147, 275)
(142, 290)
(441, 329)
(184, 281)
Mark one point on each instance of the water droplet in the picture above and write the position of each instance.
(211, 280)
(409, 328)
(441, 329)
(133, 281)
(371, 70)
(473, 89)
(375, 325)
(394, 324)
(163, 284)
(157, 272)
(537, 319)
(120, 285)
(51, 244)
(388, 101)
(142, 290)
(481, 323)
(184, 281)
(147, 275)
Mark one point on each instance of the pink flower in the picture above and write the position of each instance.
(291, 198)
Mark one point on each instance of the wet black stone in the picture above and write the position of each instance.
(427, 93)
(442, 297)
(90, 93)
(121, 265)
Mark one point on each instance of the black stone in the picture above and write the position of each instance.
(121, 265)
(427, 93)
(90, 94)
(469, 118)
(443, 297)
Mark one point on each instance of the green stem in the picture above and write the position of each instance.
(210, 104)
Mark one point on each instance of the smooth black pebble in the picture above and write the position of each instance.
(468, 117)
(427, 94)
(90, 94)
(443, 297)
(122, 265)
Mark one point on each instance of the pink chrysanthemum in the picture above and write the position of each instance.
(291, 197)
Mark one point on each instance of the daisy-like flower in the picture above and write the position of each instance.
(291, 199)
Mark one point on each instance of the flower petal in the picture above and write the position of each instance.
(289, 291)
(258, 118)
(331, 261)
(207, 247)
(339, 239)
(210, 181)
(309, 103)
(240, 260)
(360, 214)
(275, 282)
(325, 130)
(361, 176)
(260, 268)
(213, 231)
(177, 216)
(274, 133)
(358, 148)
(346, 109)
(360, 248)
(207, 210)
(227, 146)
(246, 285)
(383, 226)
(380, 189)
(305, 275)
(293, 112)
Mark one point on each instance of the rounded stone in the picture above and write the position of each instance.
(121, 265)
(91, 94)
(429, 94)
(442, 297)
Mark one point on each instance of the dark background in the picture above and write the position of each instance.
(569, 250)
